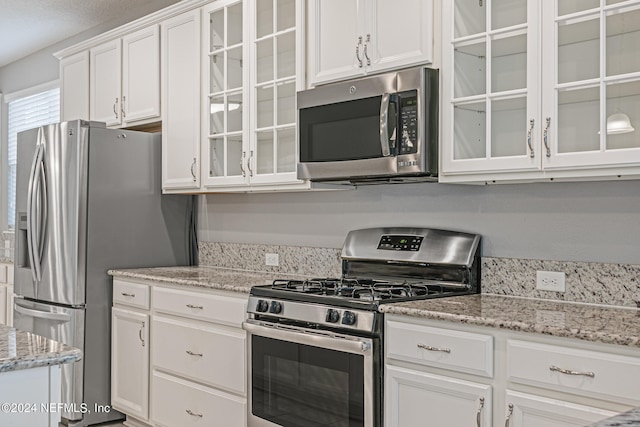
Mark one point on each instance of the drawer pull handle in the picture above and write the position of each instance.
(569, 372)
(507, 422)
(193, 414)
(191, 353)
(428, 347)
(479, 415)
(197, 307)
(124, 294)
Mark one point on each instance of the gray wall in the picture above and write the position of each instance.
(42, 67)
(583, 221)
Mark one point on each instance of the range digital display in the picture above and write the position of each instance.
(400, 243)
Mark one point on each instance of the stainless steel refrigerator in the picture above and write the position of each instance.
(89, 199)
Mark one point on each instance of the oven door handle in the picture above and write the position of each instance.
(324, 339)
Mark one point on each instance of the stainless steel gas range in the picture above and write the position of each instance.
(316, 346)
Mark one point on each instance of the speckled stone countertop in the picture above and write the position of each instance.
(24, 350)
(5, 260)
(626, 419)
(226, 279)
(606, 324)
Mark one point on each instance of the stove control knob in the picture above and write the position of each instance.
(349, 318)
(333, 316)
(275, 307)
(262, 306)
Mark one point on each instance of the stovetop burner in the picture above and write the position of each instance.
(361, 288)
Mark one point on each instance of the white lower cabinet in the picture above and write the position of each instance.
(528, 410)
(189, 361)
(419, 398)
(6, 294)
(526, 380)
(130, 362)
(180, 403)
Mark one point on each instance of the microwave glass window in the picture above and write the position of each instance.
(296, 385)
(345, 131)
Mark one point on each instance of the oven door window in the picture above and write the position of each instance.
(296, 385)
(345, 131)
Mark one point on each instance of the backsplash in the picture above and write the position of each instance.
(596, 283)
(305, 261)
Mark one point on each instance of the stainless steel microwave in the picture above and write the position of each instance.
(378, 129)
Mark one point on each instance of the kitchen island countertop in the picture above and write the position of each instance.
(225, 279)
(24, 350)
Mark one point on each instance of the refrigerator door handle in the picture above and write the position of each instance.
(31, 202)
(37, 224)
(42, 213)
(42, 314)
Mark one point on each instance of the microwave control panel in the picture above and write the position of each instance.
(400, 243)
(408, 126)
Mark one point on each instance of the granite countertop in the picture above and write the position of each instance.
(226, 279)
(5, 260)
(24, 350)
(606, 324)
(626, 419)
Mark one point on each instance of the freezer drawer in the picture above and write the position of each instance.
(65, 325)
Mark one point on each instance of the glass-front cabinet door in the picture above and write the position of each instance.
(254, 68)
(274, 82)
(591, 111)
(490, 105)
(226, 107)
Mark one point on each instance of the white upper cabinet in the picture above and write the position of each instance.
(125, 79)
(74, 87)
(591, 107)
(355, 37)
(181, 102)
(533, 84)
(141, 75)
(105, 83)
(226, 110)
(253, 66)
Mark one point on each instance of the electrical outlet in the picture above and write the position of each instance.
(550, 281)
(272, 259)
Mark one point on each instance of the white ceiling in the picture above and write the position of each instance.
(27, 26)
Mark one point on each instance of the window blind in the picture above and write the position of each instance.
(22, 114)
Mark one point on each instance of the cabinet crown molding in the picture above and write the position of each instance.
(151, 19)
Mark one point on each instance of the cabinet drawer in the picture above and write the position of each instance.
(197, 305)
(584, 372)
(176, 402)
(3, 273)
(132, 294)
(441, 348)
(208, 354)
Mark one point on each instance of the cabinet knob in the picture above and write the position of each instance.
(546, 136)
(358, 51)
(570, 372)
(529, 136)
(479, 414)
(115, 111)
(193, 165)
(507, 421)
(366, 46)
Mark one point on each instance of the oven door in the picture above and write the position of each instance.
(302, 378)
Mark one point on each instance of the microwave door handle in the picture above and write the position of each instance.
(384, 124)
